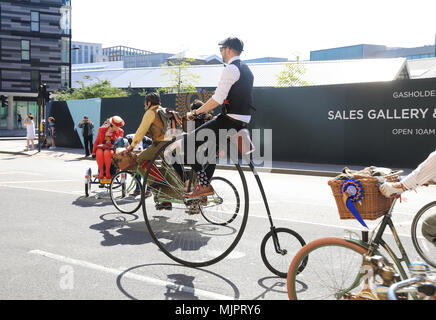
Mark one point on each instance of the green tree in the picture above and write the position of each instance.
(180, 78)
(292, 75)
(96, 89)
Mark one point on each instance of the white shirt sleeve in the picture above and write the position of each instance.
(425, 172)
(229, 76)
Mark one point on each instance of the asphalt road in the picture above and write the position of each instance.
(57, 244)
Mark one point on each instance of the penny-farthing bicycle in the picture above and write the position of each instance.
(203, 231)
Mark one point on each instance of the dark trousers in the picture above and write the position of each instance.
(88, 142)
(222, 121)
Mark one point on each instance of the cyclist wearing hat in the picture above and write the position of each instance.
(234, 92)
(103, 146)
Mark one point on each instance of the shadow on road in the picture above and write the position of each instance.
(100, 199)
(271, 284)
(181, 284)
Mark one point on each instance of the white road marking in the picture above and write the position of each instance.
(21, 172)
(40, 181)
(45, 190)
(130, 275)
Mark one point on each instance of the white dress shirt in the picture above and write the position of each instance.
(229, 76)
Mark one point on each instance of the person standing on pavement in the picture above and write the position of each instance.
(234, 92)
(52, 131)
(19, 121)
(87, 127)
(30, 129)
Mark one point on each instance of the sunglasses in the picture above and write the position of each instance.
(221, 48)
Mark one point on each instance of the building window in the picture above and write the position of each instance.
(65, 50)
(65, 21)
(25, 50)
(86, 54)
(74, 56)
(34, 21)
(65, 77)
(35, 79)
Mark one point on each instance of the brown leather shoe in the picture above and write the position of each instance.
(200, 192)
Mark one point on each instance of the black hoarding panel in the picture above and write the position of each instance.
(130, 109)
(385, 123)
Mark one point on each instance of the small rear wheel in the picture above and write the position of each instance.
(278, 262)
(125, 192)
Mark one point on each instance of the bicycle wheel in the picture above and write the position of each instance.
(332, 272)
(421, 241)
(176, 224)
(223, 206)
(290, 243)
(122, 188)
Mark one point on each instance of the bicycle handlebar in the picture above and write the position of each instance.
(396, 286)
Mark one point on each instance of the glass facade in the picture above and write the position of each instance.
(21, 107)
(65, 21)
(117, 53)
(73, 56)
(420, 56)
(352, 52)
(86, 54)
(80, 54)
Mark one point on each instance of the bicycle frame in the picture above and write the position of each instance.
(265, 201)
(373, 246)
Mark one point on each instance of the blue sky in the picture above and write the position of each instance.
(276, 28)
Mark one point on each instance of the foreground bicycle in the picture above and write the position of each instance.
(421, 284)
(199, 240)
(350, 268)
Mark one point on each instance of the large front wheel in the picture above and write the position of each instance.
(177, 225)
(332, 271)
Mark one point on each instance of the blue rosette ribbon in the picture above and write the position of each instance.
(352, 191)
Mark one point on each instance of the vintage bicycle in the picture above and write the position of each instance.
(347, 268)
(199, 240)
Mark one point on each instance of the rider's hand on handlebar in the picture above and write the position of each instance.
(190, 116)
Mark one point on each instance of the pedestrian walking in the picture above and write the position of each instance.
(87, 127)
(52, 131)
(30, 135)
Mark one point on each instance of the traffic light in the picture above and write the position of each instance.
(43, 94)
(5, 102)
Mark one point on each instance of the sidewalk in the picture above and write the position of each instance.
(16, 146)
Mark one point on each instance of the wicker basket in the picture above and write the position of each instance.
(373, 204)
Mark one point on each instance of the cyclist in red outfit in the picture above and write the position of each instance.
(103, 146)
